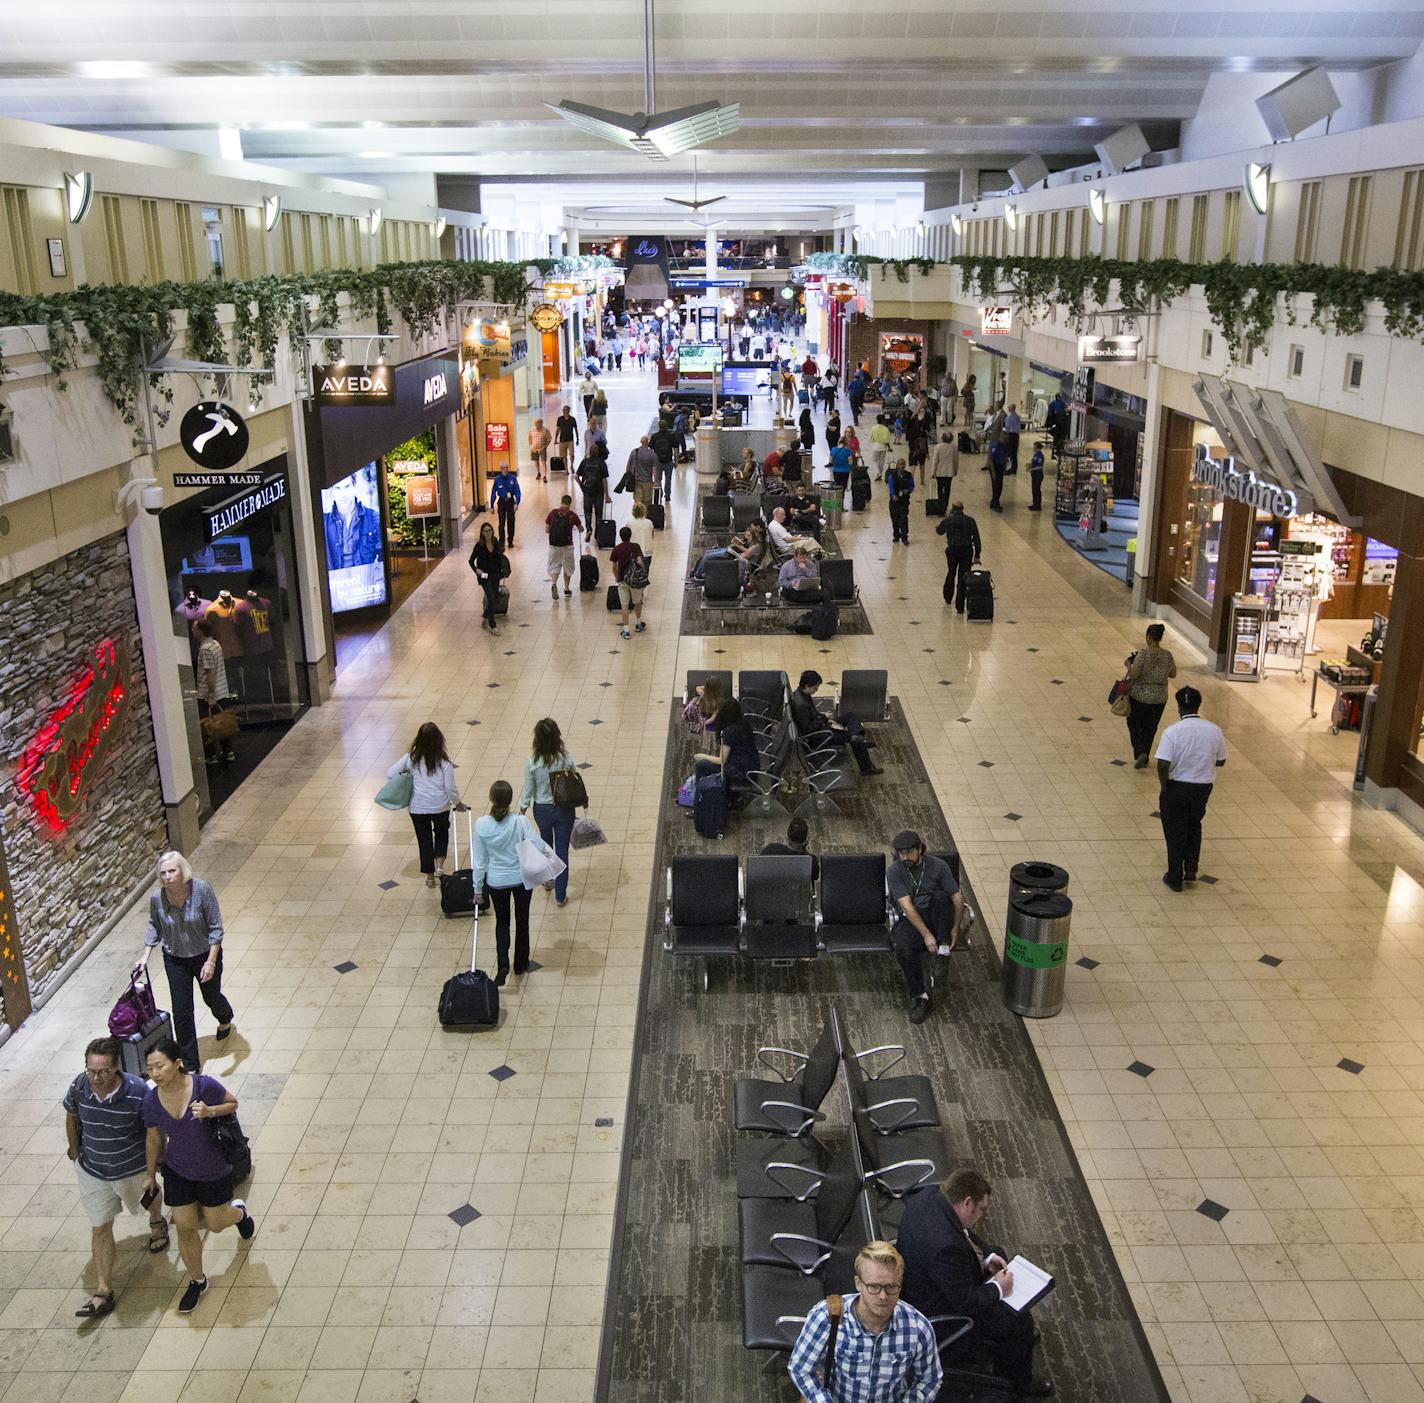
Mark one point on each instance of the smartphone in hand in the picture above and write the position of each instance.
(147, 1197)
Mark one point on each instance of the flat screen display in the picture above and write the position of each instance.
(696, 361)
(745, 379)
(355, 548)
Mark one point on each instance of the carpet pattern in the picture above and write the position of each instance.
(673, 1332)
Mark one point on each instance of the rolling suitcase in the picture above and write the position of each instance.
(557, 464)
(657, 513)
(935, 506)
(979, 596)
(457, 888)
(134, 1050)
(470, 999)
(501, 599)
(588, 572)
(709, 807)
(607, 534)
(615, 605)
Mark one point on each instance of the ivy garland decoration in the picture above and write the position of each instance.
(119, 321)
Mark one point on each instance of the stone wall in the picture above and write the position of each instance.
(68, 875)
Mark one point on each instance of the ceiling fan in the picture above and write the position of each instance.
(694, 203)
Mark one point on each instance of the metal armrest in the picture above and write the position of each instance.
(813, 1174)
(809, 1117)
(925, 1166)
(779, 1237)
(801, 1057)
(774, 781)
(967, 1324)
(887, 1047)
(908, 1102)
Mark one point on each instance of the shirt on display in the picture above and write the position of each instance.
(222, 614)
(1193, 747)
(255, 624)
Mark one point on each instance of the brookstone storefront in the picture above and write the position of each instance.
(81, 812)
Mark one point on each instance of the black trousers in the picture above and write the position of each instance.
(1011, 442)
(593, 505)
(1183, 807)
(900, 518)
(1036, 482)
(490, 585)
(1142, 722)
(504, 509)
(432, 835)
(1005, 1336)
(957, 579)
(501, 898)
(853, 737)
(996, 478)
(182, 971)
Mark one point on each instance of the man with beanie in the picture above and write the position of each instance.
(931, 908)
(1189, 754)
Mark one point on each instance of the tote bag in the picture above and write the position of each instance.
(537, 866)
(395, 793)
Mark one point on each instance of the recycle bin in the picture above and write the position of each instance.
(1036, 952)
(832, 503)
(1034, 876)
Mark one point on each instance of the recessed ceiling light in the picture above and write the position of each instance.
(113, 68)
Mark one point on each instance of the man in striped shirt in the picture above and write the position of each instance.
(885, 1350)
(104, 1123)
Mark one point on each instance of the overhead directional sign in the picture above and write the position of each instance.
(213, 435)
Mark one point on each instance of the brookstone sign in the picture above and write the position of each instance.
(1222, 475)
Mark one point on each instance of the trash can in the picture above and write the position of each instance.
(1027, 877)
(709, 447)
(1036, 952)
(833, 503)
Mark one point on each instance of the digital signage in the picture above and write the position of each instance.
(355, 548)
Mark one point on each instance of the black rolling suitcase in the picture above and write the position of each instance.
(657, 513)
(859, 492)
(470, 999)
(588, 572)
(457, 888)
(607, 534)
(935, 506)
(557, 464)
(134, 1050)
(615, 604)
(979, 596)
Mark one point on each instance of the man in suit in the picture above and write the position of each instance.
(950, 1270)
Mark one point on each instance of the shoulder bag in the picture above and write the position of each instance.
(135, 1008)
(396, 793)
(568, 789)
(228, 1139)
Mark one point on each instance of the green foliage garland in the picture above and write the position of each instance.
(117, 319)
(404, 531)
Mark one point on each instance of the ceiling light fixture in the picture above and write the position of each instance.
(271, 211)
(378, 216)
(78, 192)
(657, 135)
(440, 226)
(694, 203)
(1257, 180)
(1097, 205)
(957, 224)
(1011, 216)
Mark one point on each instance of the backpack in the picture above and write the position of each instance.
(822, 622)
(635, 573)
(561, 529)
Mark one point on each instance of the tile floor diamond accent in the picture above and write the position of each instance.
(388, 885)
(1210, 1208)
(1032, 650)
(492, 685)
(1086, 963)
(1057, 681)
(1210, 881)
(472, 723)
(345, 967)
(1085, 718)
(1118, 763)
(464, 1215)
(503, 1072)
(1140, 1069)
(945, 682)
(986, 764)
(1013, 817)
(584, 765)
(534, 965)
(595, 722)
(1348, 1064)
(1272, 960)
(605, 684)
(965, 720)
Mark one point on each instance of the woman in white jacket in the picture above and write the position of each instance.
(432, 797)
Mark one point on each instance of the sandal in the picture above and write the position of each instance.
(158, 1236)
(91, 1311)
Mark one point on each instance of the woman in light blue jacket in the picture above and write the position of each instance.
(556, 821)
(498, 835)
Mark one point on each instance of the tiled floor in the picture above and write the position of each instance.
(372, 1125)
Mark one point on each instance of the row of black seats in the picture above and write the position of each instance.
(766, 691)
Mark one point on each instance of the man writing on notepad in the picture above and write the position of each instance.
(950, 1270)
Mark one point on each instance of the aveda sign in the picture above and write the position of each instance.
(436, 388)
(354, 384)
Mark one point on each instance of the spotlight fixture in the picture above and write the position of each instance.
(440, 226)
(1097, 205)
(957, 224)
(1011, 216)
(377, 218)
(78, 192)
(271, 211)
(1257, 181)
(1124, 148)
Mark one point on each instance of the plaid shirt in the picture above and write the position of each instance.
(899, 1365)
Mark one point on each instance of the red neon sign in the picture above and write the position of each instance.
(70, 746)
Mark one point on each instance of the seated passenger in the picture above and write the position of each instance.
(800, 578)
(746, 549)
(950, 1270)
(782, 540)
(821, 730)
(797, 836)
(803, 512)
(736, 755)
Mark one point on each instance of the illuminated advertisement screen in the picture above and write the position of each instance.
(355, 549)
(698, 362)
(745, 379)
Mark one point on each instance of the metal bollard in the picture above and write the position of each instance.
(1036, 952)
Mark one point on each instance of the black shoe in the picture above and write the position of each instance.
(501, 975)
(1169, 881)
(871, 770)
(1039, 1388)
(1189, 876)
(921, 1011)
(521, 968)
(1035, 509)
(192, 1296)
(247, 1224)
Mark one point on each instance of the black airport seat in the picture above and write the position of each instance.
(745, 510)
(762, 691)
(696, 676)
(780, 919)
(901, 1163)
(775, 1305)
(829, 769)
(791, 1105)
(716, 514)
(838, 580)
(721, 583)
(780, 1168)
(890, 1104)
(702, 915)
(866, 692)
(785, 1233)
(853, 917)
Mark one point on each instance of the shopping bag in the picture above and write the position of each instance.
(537, 866)
(586, 833)
(1119, 702)
(395, 793)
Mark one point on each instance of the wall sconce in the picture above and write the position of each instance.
(1011, 216)
(1097, 206)
(440, 226)
(1257, 181)
(377, 217)
(271, 211)
(78, 192)
(957, 224)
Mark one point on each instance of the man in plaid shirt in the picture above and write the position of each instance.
(885, 1350)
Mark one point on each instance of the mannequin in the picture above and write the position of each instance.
(191, 608)
(222, 614)
(254, 614)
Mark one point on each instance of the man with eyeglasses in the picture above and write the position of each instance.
(884, 1350)
(104, 1124)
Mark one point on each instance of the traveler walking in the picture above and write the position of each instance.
(588, 388)
(630, 571)
(1013, 427)
(103, 1122)
(490, 565)
(962, 548)
(554, 809)
(561, 523)
(539, 440)
(496, 869)
(900, 483)
(183, 917)
(943, 464)
(949, 396)
(1188, 756)
(566, 437)
(593, 480)
(664, 447)
(599, 417)
(642, 465)
(643, 533)
(879, 445)
(971, 384)
(931, 908)
(197, 1179)
(1149, 670)
(433, 795)
(504, 501)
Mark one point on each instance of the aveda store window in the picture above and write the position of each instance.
(1198, 559)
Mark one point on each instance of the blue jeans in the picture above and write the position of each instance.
(555, 826)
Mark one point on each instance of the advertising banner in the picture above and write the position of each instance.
(497, 438)
(355, 549)
(422, 497)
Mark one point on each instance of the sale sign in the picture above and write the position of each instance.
(497, 438)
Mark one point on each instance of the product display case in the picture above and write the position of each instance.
(1247, 638)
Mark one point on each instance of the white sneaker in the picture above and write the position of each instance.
(625, 633)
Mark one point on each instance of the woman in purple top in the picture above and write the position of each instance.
(195, 1174)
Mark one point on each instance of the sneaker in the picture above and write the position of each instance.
(554, 593)
(921, 1010)
(624, 633)
(639, 626)
(247, 1224)
(192, 1296)
(567, 592)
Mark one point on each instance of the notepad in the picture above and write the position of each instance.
(1031, 1284)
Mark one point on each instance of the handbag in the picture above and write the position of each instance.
(1119, 703)
(687, 792)
(587, 833)
(230, 1142)
(568, 789)
(396, 793)
(219, 725)
(135, 1008)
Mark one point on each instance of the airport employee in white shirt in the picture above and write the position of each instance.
(1189, 754)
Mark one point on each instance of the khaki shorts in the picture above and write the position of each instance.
(103, 1199)
(628, 596)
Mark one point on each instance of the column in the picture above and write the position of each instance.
(447, 469)
(1396, 708)
(1141, 563)
(311, 564)
(165, 692)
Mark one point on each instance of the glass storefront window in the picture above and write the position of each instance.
(1201, 546)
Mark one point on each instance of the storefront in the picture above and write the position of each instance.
(360, 421)
(487, 431)
(231, 565)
